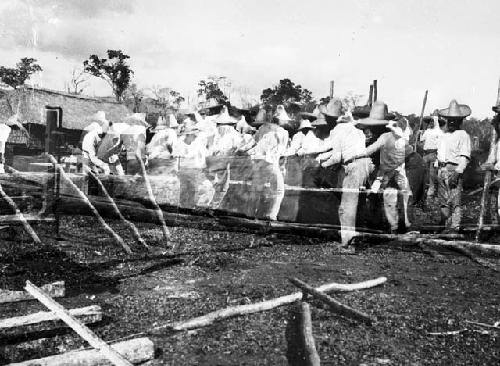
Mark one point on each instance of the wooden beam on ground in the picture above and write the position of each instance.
(20, 217)
(116, 210)
(135, 351)
(56, 289)
(413, 239)
(159, 212)
(46, 320)
(301, 348)
(33, 219)
(210, 318)
(80, 328)
(84, 198)
(333, 304)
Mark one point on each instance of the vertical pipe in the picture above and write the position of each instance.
(370, 97)
(375, 91)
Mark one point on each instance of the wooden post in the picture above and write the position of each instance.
(82, 195)
(332, 88)
(80, 328)
(417, 133)
(375, 91)
(301, 349)
(20, 216)
(116, 210)
(334, 305)
(370, 96)
(152, 198)
(56, 289)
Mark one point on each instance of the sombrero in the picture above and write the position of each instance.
(333, 108)
(379, 115)
(224, 118)
(455, 110)
(305, 124)
(161, 124)
(190, 127)
(136, 119)
(281, 115)
(261, 116)
(243, 127)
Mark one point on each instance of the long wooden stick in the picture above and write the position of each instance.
(55, 289)
(301, 348)
(77, 326)
(210, 318)
(159, 213)
(333, 304)
(417, 133)
(82, 195)
(116, 210)
(136, 350)
(20, 216)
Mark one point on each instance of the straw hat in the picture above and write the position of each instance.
(99, 117)
(455, 110)
(347, 117)
(281, 114)
(224, 118)
(305, 123)
(172, 121)
(334, 108)
(190, 127)
(118, 129)
(379, 115)
(242, 125)
(261, 116)
(397, 127)
(136, 119)
(161, 124)
(94, 126)
(320, 118)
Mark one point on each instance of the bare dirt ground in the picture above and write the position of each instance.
(423, 294)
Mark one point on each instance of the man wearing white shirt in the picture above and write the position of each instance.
(431, 137)
(304, 141)
(453, 155)
(347, 144)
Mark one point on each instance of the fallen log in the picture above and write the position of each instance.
(84, 198)
(80, 328)
(46, 320)
(333, 304)
(56, 289)
(484, 249)
(135, 351)
(210, 318)
(301, 349)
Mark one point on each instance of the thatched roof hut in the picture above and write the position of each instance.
(76, 108)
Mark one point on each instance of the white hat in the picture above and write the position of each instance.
(242, 125)
(136, 119)
(393, 126)
(99, 117)
(305, 123)
(118, 128)
(281, 114)
(4, 132)
(224, 118)
(135, 130)
(94, 126)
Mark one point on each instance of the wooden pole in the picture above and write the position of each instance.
(103, 223)
(136, 351)
(80, 328)
(152, 198)
(375, 91)
(301, 348)
(20, 216)
(370, 96)
(116, 210)
(417, 133)
(333, 304)
(332, 88)
(55, 289)
(210, 318)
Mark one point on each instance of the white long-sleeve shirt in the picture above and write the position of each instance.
(90, 144)
(271, 143)
(192, 155)
(431, 137)
(226, 141)
(307, 143)
(346, 141)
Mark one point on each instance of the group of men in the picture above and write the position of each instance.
(333, 136)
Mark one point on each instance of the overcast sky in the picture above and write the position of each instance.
(450, 47)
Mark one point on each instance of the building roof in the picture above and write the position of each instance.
(77, 109)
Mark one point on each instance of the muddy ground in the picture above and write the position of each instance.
(423, 294)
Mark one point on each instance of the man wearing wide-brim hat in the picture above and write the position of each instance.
(347, 146)
(162, 143)
(453, 155)
(304, 141)
(94, 133)
(493, 164)
(430, 139)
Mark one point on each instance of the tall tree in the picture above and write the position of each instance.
(286, 92)
(16, 77)
(212, 89)
(114, 70)
(78, 81)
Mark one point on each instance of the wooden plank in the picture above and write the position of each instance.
(14, 219)
(210, 318)
(56, 289)
(46, 320)
(333, 304)
(80, 328)
(135, 351)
